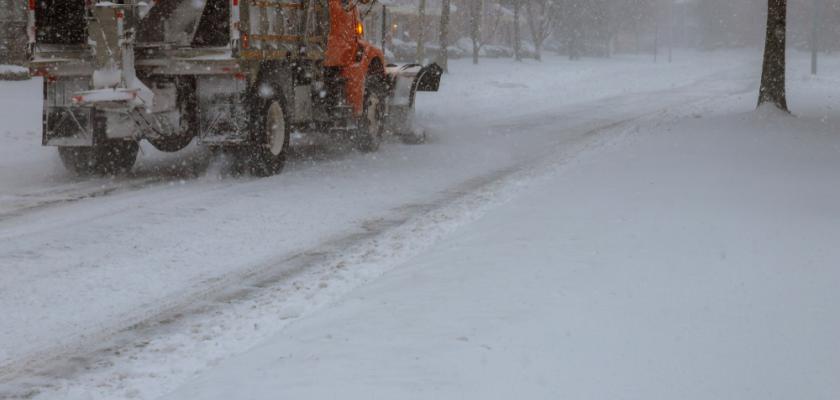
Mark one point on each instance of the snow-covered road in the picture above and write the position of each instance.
(90, 268)
(669, 267)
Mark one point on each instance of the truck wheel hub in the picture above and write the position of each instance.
(275, 126)
(372, 116)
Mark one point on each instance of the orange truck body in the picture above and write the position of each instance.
(348, 50)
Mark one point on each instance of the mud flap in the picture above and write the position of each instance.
(404, 83)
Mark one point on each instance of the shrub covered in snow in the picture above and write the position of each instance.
(13, 73)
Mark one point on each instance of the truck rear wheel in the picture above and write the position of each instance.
(108, 158)
(269, 157)
(171, 144)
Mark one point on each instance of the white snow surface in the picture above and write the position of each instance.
(595, 229)
(665, 268)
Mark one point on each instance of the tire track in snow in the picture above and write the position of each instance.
(64, 360)
(157, 174)
(21, 204)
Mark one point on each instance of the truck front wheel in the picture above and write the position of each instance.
(108, 158)
(368, 134)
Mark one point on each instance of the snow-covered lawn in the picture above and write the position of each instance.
(600, 229)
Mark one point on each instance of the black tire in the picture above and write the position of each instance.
(79, 160)
(171, 144)
(368, 135)
(268, 156)
(108, 158)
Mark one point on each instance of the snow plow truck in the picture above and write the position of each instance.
(235, 75)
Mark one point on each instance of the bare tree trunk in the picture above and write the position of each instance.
(773, 71)
(443, 57)
(475, 27)
(536, 33)
(421, 32)
(815, 21)
(517, 42)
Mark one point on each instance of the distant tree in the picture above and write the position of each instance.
(727, 23)
(601, 22)
(541, 18)
(443, 55)
(594, 26)
(571, 25)
(478, 36)
(517, 39)
(476, 11)
(637, 16)
(772, 88)
(514, 31)
(421, 30)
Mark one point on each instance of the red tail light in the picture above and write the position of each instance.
(31, 4)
